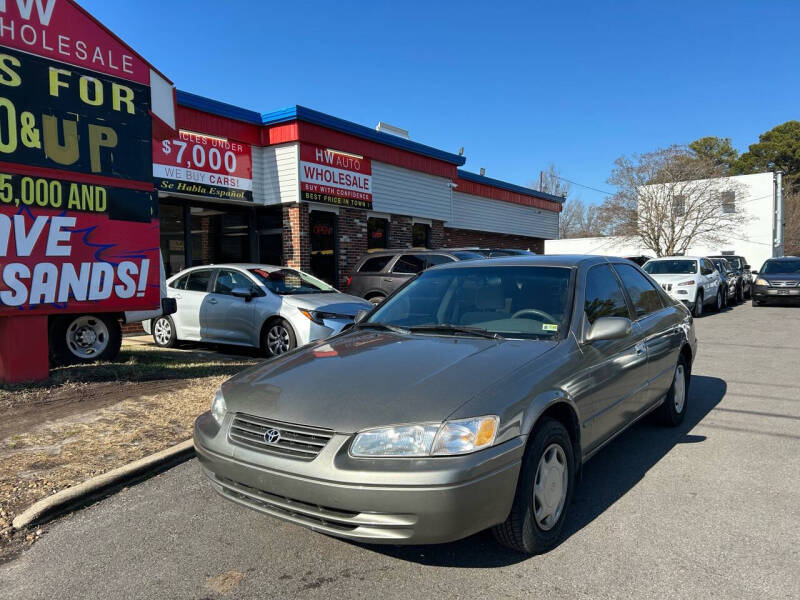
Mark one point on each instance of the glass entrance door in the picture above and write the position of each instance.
(322, 226)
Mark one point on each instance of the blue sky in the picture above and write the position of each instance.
(518, 85)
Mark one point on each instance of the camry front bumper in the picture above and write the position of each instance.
(391, 500)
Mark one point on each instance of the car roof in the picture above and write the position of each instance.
(534, 260)
(678, 258)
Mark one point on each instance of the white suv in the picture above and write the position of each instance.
(691, 279)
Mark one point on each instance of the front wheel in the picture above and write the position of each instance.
(278, 338)
(85, 338)
(698, 305)
(674, 408)
(544, 491)
(164, 332)
(719, 304)
(376, 299)
(740, 294)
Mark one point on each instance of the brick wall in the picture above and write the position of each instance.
(400, 232)
(437, 234)
(296, 244)
(454, 238)
(352, 225)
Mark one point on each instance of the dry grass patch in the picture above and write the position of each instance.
(88, 420)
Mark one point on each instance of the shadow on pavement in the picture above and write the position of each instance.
(606, 478)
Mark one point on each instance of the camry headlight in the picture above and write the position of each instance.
(761, 281)
(218, 407)
(427, 439)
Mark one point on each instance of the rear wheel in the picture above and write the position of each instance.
(376, 299)
(278, 337)
(85, 338)
(544, 491)
(740, 293)
(674, 408)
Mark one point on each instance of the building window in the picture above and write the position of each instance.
(728, 200)
(679, 206)
(421, 235)
(377, 233)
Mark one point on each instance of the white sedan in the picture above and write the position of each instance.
(264, 306)
(694, 280)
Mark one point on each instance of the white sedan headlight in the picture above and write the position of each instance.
(218, 407)
(427, 439)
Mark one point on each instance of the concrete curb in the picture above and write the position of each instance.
(91, 489)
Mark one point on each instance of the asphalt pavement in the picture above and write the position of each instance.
(708, 510)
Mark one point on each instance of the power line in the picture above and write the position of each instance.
(588, 187)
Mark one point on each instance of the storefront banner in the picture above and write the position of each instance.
(57, 261)
(72, 119)
(61, 30)
(203, 165)
(335, 177)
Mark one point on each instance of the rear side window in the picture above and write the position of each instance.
(375, 264)
(409, 263)
(604, 297)
(431, 260)
(644, 295)
(197, 281)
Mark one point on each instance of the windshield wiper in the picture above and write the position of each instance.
(449, 328)
(386, 326)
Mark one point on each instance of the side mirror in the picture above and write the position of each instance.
(242, 292)
(360, 315)
(754, 272)
(609, 328)
(747, 266)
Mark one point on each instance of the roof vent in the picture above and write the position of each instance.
(391, 129)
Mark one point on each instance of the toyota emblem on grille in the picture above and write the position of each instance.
(272, 436)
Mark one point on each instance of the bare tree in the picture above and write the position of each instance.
(579, 220)
(551, 182)
(670, 199)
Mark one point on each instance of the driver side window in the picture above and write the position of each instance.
(228, 280)
(603, 296)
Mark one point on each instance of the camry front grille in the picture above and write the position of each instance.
(276, 437)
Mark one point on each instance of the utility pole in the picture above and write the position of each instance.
(541, 181)
(777, 181)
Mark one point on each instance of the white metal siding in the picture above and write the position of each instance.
(484, 214)
(403, 192)
(275, 174)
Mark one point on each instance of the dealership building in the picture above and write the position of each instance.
(312, 191)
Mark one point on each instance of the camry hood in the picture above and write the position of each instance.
(371, 378)
(342, 304)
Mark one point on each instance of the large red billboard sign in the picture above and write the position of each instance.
(203, 165)
(78, 213)
(335, 177)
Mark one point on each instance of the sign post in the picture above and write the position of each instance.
(78, 212)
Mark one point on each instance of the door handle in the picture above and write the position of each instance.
(177, 296)
(212, 301)
(639, 348)
(388, 279)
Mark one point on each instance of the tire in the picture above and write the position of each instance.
(749, 293)
(278, 337)
(164, 334)
(756, 302)
(740, 294)
(674, 408)
(550, 444)
(376, 299)
(719, 302)
(85, 338)
(698, 305)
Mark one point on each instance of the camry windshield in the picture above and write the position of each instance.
(781, 266)
(288, 281)
(515, 302)
(671, 267)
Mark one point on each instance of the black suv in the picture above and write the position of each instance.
(740, 265)
(734, 289)
(778, 281)
(380, 273)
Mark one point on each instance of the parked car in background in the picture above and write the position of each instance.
(778, 281)
(493, 252)
(639, 260)
(731, 281)
(274, 308)
(691, 279)
(380, 273)
(470, 399)
(740, 265)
